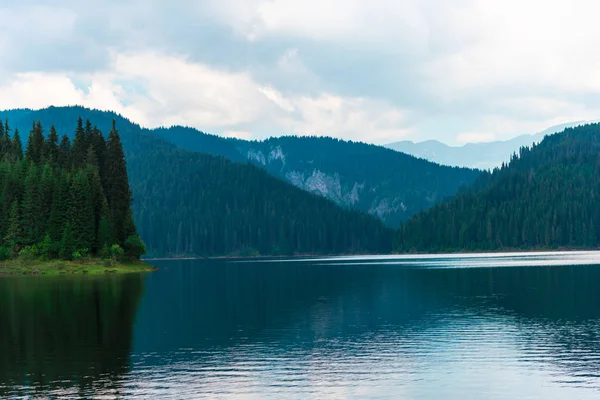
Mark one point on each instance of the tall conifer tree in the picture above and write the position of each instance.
(52, 146)
(16, 147)
(79, 147)
(64, 153)
(118, 193)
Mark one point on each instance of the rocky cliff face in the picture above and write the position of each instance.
(364, 195)
(389, 184)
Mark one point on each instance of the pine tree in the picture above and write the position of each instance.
(105, 236)
(67, 243)
(118, 192)
(35, 144)
(80, 145)
(16, 147)
(14, 235)
(64, 153)
(53, 152)
(81, 212)
(5, 144)
(59, 212)
(99, 145)
(55, 200)
(97, 197)
(31, 214)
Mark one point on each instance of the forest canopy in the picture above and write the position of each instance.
(546, 197)
(65, 199)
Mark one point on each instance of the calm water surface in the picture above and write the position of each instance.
(472, 327)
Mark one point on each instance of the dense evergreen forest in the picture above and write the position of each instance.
(221, 207)
(388, 184)
(546, 197)
(193, 203)
(63, 199)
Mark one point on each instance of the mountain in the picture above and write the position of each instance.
(474, 155)
(546, 197)
(192, 203)
(390, 185)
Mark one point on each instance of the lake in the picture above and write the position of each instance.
(482, 326)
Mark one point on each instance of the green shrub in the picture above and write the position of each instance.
(116, 252)
(134, 247)
(45, 247)
(28, 253)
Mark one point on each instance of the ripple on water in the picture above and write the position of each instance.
(478, 326)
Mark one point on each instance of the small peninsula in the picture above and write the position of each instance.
(65, 207)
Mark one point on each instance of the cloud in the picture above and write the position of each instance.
(376, 71)
(160, 90)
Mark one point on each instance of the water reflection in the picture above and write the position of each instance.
(333, 328)
(272, 329)
(66, 336)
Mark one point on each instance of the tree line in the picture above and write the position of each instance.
(65, 199)
(191, 203)
(546, 197)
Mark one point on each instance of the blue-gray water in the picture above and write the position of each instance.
(472, 327)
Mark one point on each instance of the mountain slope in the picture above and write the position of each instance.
(197, 204)
(546, 197)
(474, 155)
(390, 185)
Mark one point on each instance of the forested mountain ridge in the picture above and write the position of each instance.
(191, 203)
(546, 197)
(390, 185)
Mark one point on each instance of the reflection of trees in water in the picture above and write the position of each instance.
(223, 304)
(213, 303)
(566, 293)
(556, 310)
(73, 333)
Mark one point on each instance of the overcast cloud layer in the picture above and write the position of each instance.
(376, 71)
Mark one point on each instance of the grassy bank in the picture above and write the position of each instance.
(91, 266)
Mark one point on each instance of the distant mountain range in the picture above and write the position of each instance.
(486, 155)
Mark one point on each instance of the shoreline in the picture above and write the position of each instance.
(503, 251)
(432, 253)
(82, 267)
(233, 257)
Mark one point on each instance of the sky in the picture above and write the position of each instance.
(376, 71)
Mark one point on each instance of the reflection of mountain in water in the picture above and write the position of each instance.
(554, 311)
(216, 307)
(66, 335)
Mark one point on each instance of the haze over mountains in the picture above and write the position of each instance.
(485, 155)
